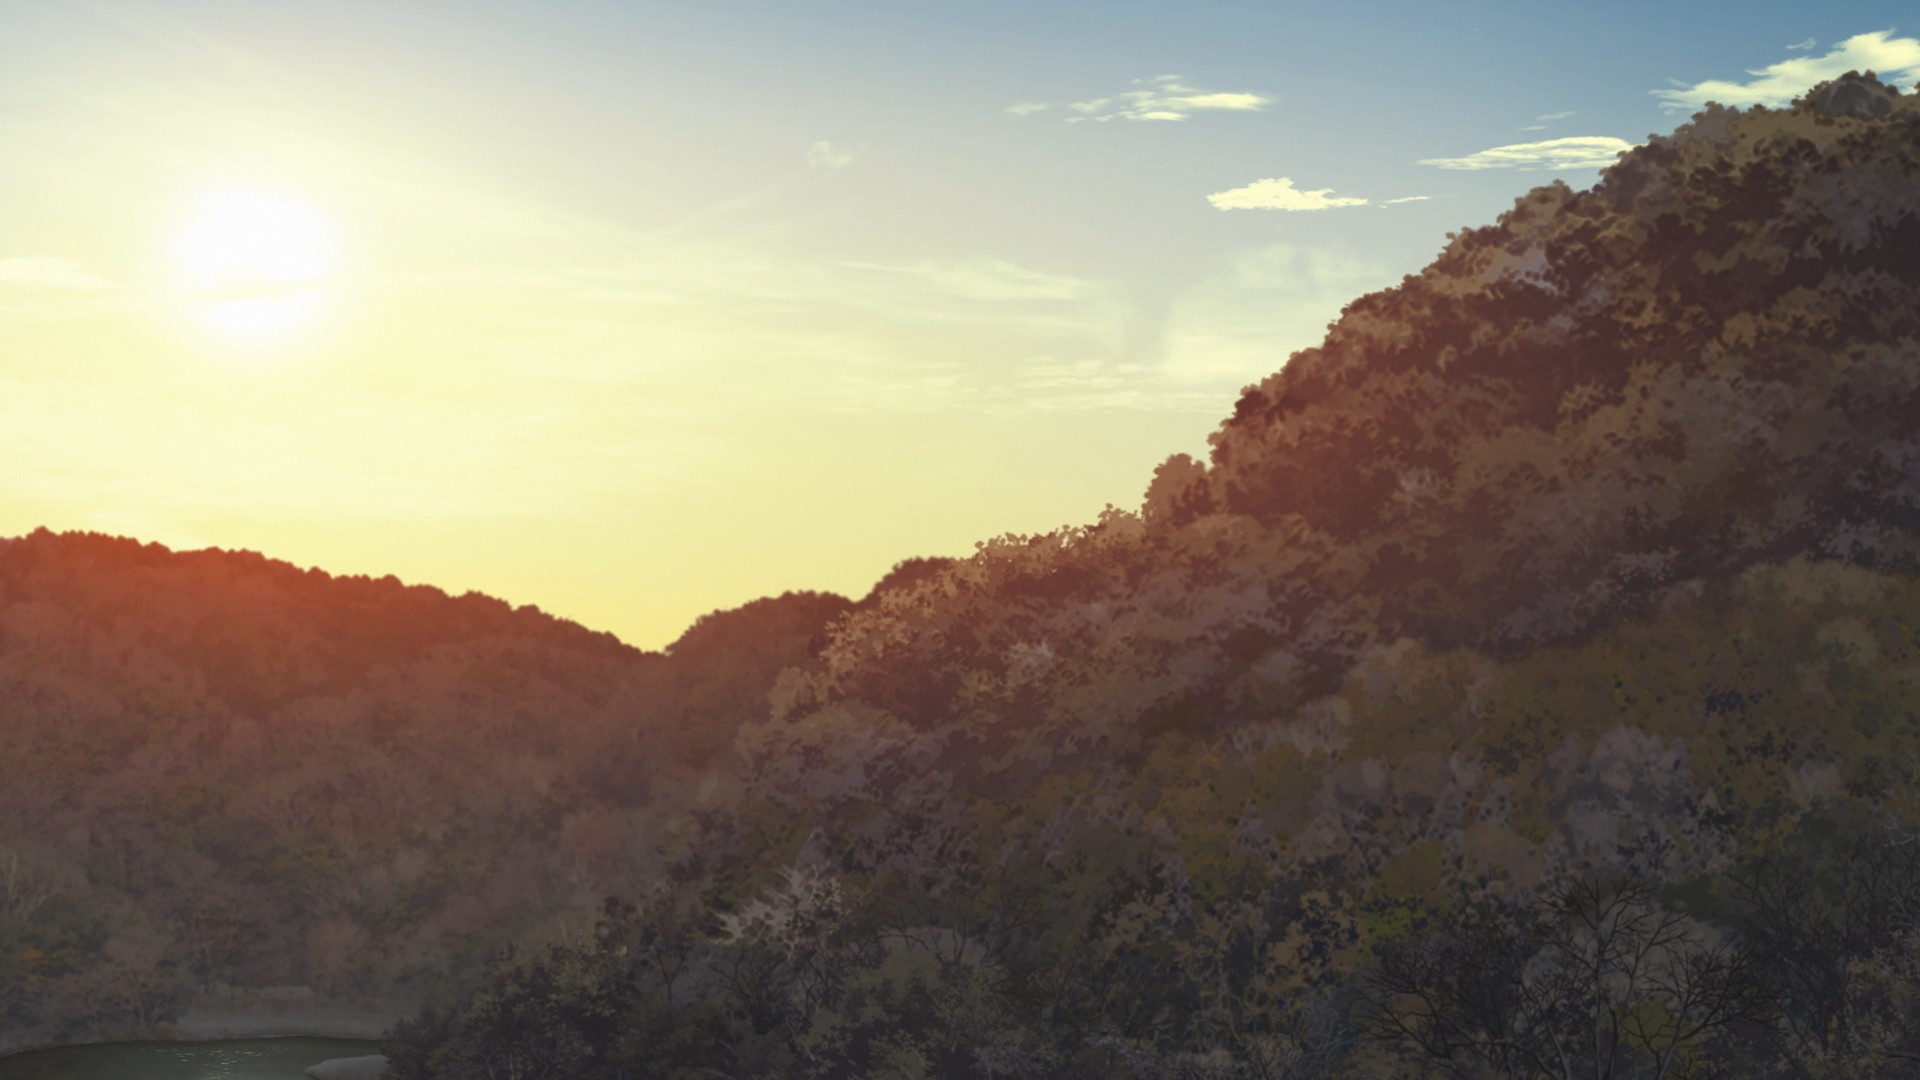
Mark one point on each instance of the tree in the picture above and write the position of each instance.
(1838, 931)
(1596, 980)
(551, 1017)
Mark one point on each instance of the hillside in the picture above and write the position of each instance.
(220, 770)
(1571, 583)
(1705, 362)
(1588, 551)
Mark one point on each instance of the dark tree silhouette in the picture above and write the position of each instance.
(1597, 980)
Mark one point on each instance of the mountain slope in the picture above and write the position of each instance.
(219, 769)
(1709, 361)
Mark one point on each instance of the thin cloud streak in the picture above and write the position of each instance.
(988, 279)
(357, 458)
(49, 272)
(1160, 98)
(1575, 152)
(1547, 120)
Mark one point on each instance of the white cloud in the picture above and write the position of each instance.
(46, 271)
(1245, 102)
(1895, 60)
(1555, 116)
(827, 156)
(1163, 97)
(1280, 194)
(1576, 152)
(1405, 199)
(1807, 44)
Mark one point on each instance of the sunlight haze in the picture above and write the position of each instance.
(255, 264)
(638, 311)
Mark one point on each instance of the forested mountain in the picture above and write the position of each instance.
(1528, 684)
(219, 769)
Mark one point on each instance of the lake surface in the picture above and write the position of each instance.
(229, 1059)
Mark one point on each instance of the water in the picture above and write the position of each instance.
(230, 1059)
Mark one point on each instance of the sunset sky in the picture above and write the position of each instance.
(638, 310)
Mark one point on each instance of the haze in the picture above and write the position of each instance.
(637, 311)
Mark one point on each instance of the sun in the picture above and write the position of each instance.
(255, 264)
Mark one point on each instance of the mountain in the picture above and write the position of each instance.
(219, 770)
(1527, 684)
(1703, 363)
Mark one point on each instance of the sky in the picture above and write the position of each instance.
(636, 311)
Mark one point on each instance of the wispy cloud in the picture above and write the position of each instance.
(1242, 320)
(1162, 97)
(1279, 194)
(1576, 152)
(827, 156)
(1044, 384)
(1406, 199)
(145, 448)
(1894, 59)
(987, 279)
(1540, 122)
(49, 272)
(1807, 44)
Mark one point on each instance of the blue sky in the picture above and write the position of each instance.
(727, 298)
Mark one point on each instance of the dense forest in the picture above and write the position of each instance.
(1525, 686)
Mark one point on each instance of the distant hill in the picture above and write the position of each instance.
(1589, 555)
(216, 768)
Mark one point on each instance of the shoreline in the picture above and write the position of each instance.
(164, 1034)
(265, 1013)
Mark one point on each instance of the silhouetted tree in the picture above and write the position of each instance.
(1596, 980)
(1836, 927)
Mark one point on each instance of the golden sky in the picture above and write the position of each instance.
(639, 311)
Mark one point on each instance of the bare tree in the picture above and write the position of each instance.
(1839, 935)
(24, 886)
(1594, 980)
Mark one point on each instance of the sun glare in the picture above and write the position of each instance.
(254, 264)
